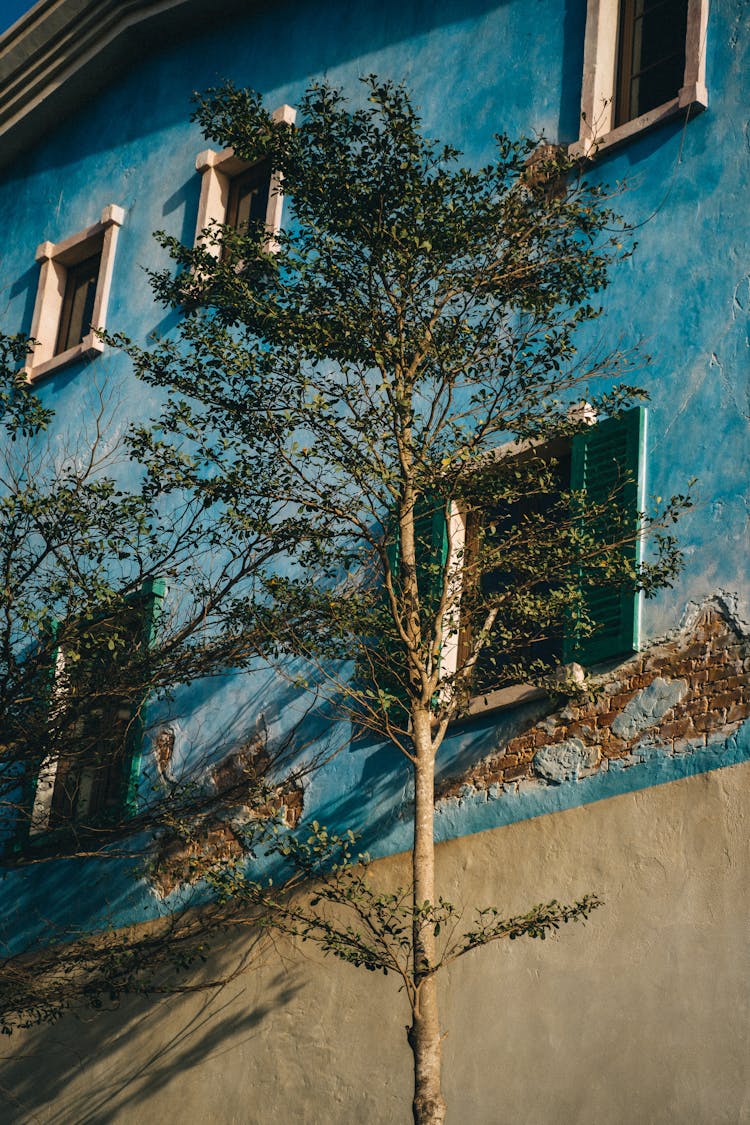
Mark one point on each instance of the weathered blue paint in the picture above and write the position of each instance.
(476, 67)
(648, 706)
(564, 761)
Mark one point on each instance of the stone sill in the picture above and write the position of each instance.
(499, 700)
(691, 100)
(89, 347)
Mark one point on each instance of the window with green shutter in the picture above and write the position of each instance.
(98, 683)
(604, 466)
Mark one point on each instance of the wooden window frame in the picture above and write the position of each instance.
(87, 270)
(628, 17)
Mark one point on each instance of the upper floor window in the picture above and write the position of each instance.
(75, 278)
(238, 194)
(651, 55)
(247, 202)
(644, 61)
(77, 313)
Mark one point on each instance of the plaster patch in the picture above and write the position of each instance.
(565, 761)
(648, 706)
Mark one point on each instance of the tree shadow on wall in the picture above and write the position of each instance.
(85, 1069)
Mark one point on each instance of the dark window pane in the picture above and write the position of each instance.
(248, 198)
(499, 521)
(651, 55)
(78, 303)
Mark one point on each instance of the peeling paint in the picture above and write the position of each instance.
(647, 707)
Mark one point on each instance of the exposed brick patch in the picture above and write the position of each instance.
(713, 660)
(237, 792)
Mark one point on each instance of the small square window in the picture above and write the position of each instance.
(74, 283)
(644, 62)
(238, 194)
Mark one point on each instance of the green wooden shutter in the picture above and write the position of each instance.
(431, 534)
(610, 456)
(152, 595)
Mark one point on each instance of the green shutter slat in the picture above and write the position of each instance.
(431, 534)
(603, 456)
(152, 594)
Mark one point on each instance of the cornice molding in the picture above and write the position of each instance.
(49, 55)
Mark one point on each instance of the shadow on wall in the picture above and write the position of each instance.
(70, 897)
(198, 1027)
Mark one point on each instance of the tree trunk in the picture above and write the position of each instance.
(424, 1033)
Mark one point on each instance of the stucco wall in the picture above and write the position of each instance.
(641, 1016)
(476, 67)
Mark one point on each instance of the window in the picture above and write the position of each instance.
(240, 194)
(95, 726)
(650, 56)
(604, 459)
(73, 293)
(644, 62)
(247, 202)
(78, 303)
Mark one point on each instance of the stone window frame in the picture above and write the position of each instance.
(600, 78)
(55, 258)
(217, 170)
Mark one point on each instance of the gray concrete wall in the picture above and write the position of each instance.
(641, 1016)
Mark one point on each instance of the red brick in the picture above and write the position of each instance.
(606, 719)
(724, 699)
(680, 728)
(709, 721)
(517, 772)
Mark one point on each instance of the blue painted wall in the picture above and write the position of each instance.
(475, 67)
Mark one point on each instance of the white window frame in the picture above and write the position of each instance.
(54, 259)
(598, 131)
(217, 169)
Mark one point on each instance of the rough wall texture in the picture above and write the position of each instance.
(641, 1016)
(673, 699)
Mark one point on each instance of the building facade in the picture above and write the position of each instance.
(638, 793)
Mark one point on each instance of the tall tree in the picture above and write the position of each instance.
(404, 355)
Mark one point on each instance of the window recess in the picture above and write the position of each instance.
(602, 469)
(603, 462)
(87, 778)
(75, 279)
(644, 63)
